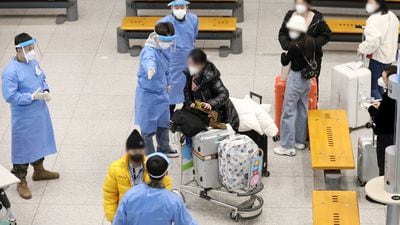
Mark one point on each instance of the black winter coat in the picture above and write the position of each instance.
(318, 29)
(213, 91)
(384, 116)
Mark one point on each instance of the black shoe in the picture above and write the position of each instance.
(172, 154)
(373, 201)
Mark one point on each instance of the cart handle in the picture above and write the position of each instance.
(253, 94)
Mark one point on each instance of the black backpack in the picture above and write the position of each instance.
(189, 121)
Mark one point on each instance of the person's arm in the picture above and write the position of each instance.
(283, 35)
(149, 60)
(220, 91)
(10, 90)
(121, 217)
(182, 216)
(110, 194)
(188, 92)
(196, 28)
(287, 57)
(324, 34)
(373, 32)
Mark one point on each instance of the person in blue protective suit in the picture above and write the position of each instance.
(152, 204)
(26, 90)
(186, 31)
(152, 100)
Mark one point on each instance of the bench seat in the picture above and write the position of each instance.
(330, 144)
(210, 28)
(132, 6)
(346, 29)
(392, 4)
(335, 208)
(71, 6)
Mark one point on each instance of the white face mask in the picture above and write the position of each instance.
(179, 13)
(193, 70)
(294, 34)
(301, 8)
(382, 83)
(370, 8)
(165, 45)
(31, 55)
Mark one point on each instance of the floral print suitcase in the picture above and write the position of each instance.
(240, 162)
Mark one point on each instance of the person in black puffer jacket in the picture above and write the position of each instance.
(383, 116)
(317, 28)
(204, 84)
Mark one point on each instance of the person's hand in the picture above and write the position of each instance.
(192, 105)
(150, 73)
(376, 104)
(206, 105)
(38, 95)
(169, 89)
(47, 96)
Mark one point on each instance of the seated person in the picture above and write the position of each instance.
(383, 116)
(205, 88)
(152, 204)
(125, 173)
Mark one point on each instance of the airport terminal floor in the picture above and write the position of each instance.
(92, 109)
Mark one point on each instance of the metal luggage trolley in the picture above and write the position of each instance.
(7, 179)
(249, 208)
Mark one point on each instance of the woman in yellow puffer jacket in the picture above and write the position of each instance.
(125, 173)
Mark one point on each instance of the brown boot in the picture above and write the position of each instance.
(40, 173)
(20, 171)
(23, 189)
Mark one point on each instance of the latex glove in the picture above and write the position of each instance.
(150, 73)
(47, 96)
(205, 105)
(38, 95)
(169, 89)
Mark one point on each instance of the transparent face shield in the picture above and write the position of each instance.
(30, 49)
(167, 43)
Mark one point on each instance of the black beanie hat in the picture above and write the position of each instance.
(135, 141)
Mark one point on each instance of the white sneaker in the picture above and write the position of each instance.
(283, 151)
(300, 146)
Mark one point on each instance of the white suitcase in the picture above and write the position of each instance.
(350, 86)
(207, 142)
(206, 170)
(240, 163)
(367, 163)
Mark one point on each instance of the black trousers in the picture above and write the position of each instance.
(171, 110)
(383, 141)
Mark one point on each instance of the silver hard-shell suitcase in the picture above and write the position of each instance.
(206, 170)
(207, 142)
(367, 163)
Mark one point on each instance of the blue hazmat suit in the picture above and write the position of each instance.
(31, 126)
(186, 32)
(152, 101)
(143, 205)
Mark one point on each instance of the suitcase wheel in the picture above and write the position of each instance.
(360, 183)
(234, 216)
(276, 138)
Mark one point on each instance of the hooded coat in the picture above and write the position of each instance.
(212, 91)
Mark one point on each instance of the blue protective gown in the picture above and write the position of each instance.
(143, 205)
(32, 130)
(152, 101)
(186, 32)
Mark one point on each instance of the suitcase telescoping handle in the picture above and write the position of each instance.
(359, 26)
(255, 95)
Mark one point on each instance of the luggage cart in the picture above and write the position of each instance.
(249, 208)
(5, 205)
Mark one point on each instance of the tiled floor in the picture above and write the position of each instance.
(92, 110)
